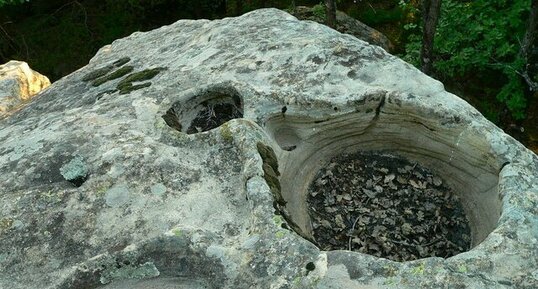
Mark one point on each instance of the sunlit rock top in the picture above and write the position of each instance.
(18, 83)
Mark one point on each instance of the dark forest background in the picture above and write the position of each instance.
(477, 50)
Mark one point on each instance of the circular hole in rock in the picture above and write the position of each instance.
(205, 111)
(453, 153)
(386, 206)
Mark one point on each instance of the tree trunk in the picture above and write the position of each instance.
(293, 7)
(430, 16)
(330, 12)
(529, 49)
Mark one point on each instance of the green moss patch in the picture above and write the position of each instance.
(97, 73)
(122, 61)
(271, 176)
(226, 132)
(141, 76)
(5, 223)
(268, 156)
(270, 170)
(114, 75)
(101, 72)
(273, 183)
(126, 85)
(128, 88)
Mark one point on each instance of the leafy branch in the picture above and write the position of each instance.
(11, 2)
(479, 37)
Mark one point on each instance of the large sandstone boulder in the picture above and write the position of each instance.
(18, 83)
(181, 158)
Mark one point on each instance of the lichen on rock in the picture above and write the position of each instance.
(203, 198)
(146, 270)
(75, 171)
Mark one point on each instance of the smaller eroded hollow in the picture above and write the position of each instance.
(166, 262)
(287, 139)
(205, 111)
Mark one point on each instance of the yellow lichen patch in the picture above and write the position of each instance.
(278, 220)
(418, 270)
(280, 234)
(51, 196)
(100, 191)
(5, 224)
(226, 132)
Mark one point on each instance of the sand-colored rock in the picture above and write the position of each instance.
(18, 83)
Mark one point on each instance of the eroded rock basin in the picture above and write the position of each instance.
(445, 146)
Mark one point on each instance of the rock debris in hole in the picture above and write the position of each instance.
(213, 115)
(383, 205)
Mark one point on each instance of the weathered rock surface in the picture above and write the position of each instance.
(18, 83)
(348, 25)
(124, 174)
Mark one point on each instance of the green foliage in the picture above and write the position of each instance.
(413, 45)
(12, 2)
(353, 11)
(478, 36)
(512, 94)
(58, 37)
(375, 17)
(319, 11)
